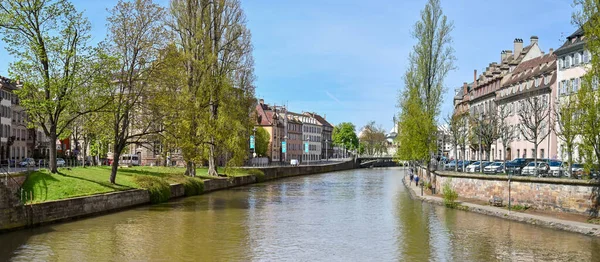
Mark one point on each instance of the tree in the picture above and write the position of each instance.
(566, 127)
(486, 129)
(506, 133)
(344, 134)
(373, 139)
(262, 141)
(534, 114)
(459, 132)
(49, 40)
(588, 96)
(135, 35)
(429, 63)
(219, 75)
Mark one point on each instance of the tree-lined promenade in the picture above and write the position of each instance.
(181, 75)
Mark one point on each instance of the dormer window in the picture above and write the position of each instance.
(537, 82)
(547, 80)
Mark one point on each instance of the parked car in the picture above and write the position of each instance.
(27, 162)
(556, 169)
(514, 166)
(475, 167)
(530, 169)
(294, 162)
(464, 163)
(60, 162)
(494, 168)
(450, 165)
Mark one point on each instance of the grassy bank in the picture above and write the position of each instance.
(80, 181)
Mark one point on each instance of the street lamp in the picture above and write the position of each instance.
(326, 155)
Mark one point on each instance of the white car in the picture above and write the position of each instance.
(60, 162)
(472, 168)
(493, 168)
(542, 168)
(294, 162)
(556, 169)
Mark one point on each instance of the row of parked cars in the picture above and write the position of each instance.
(523, 166)
(30, 162)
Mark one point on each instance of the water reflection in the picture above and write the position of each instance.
(358, 215)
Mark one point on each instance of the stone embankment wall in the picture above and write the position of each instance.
(14, 216)
(563, 195)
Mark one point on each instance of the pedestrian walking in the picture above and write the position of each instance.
(416, 180)
(411, 177)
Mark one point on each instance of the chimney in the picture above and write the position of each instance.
(518, 47)
(465, 88)
(474, 79)
(551, 51)
(533, 39)
(261, 101)
(502, 56)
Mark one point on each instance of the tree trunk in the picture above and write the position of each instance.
(535, 169)
(456, 159)
(115, 164)
(52, 157)
(570, 157)
(190, 169)
(84, 150)
(212, 169)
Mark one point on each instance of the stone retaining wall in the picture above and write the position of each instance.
(37, 214)
(563, 195)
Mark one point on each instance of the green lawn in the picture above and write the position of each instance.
(94, 180)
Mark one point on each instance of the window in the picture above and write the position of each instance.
(518, 152)
(532, 153)
(595, 82)
(561, 64)
(576, 59)
(586, 56)
(542, 153)
(568, 61)
(537, 82)
(547, 80)
(524, 153)
(575, 85)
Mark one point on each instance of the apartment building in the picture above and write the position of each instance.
(534, 77)
(326, 136)
(573, 61)
(268, 119)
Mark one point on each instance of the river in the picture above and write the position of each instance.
(357, 215)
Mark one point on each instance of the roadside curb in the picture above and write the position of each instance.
(548, 222)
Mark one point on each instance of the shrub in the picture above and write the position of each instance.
(450, 195)
(259, 174)
(193, 186)
(519, 207)
(159, 188)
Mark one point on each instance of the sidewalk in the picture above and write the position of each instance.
(545, 221)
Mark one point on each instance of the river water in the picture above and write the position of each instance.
(357, 215)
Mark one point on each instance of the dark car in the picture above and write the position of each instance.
(514, 166)
(464, 163)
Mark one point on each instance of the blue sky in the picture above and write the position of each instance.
(345, 59)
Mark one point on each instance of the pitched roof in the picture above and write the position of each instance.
(573, 42)
(531, 68)
(322, 120)
(265, 115)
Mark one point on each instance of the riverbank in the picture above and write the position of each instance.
(22, 216)
(545, 221)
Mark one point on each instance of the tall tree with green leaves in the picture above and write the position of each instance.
(429, 63)
(459, 132)
(49, 40)
(136, 34)
(373, 139)
(344, 134)
(587, 17)
(566, 127)
(262, 141)
(219, 71)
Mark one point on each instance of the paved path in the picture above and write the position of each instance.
(546, 221)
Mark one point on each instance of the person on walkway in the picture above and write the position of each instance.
(417, 180)
(411, 177)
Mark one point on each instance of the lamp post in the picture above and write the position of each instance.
(254, 137)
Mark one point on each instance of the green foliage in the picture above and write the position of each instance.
(262, 141)
(193, 186)
(158, 187)
(450, 195)
(427, 185)
(260, 175)
(588, 97)
(373, 139)
(519, 207)
(59, 72)
(420, 100)
(344, 134)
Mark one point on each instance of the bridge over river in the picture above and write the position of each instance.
(356, 215)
